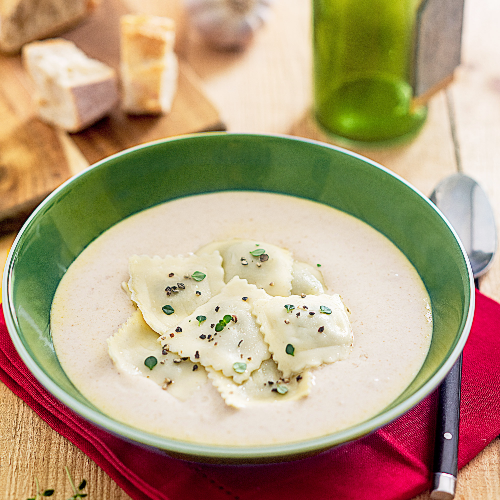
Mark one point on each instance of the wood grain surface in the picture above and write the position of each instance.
(267, 89)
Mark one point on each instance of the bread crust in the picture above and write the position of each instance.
(24, 21)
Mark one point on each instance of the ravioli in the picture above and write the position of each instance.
(306, 279)
(135, 342)
(304, 332)
(264, 265)
(222, 333)
(265, 385)
(166, 290)
(226, 311)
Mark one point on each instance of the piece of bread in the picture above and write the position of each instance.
(23, 21)
(73, 91)
(148, 64)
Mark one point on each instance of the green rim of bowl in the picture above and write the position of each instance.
(86, 205)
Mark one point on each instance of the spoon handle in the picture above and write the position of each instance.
(447, 427)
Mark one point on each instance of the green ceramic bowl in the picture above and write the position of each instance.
(84, 207)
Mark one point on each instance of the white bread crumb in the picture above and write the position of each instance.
(73, 91)
(148, 64)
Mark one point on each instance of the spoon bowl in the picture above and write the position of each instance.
(465, 204)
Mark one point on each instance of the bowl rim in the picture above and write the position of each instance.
(202, 451)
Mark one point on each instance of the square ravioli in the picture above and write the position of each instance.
(223, 333)
(166, 290)
(304, 331)
(265, 385)
(134, 349)
(262, 264)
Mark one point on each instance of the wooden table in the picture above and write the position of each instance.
(267, 89)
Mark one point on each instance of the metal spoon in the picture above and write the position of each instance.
(466, 206)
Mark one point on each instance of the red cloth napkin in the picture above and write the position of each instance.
(393, 463)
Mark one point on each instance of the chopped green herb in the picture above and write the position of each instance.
(289, 307)
(281, 389)
(201, 319)
(168, 310)
(289, 349)
(83, 484)
(37, 490)
(198, 276)
(318, 265)
(325, 310)
(39, 494)
(150, 362)
(239, 367)
(223, 323)
(257, 252)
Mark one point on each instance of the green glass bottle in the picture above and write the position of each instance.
(363, 52)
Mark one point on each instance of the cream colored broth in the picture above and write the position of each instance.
(390, 316)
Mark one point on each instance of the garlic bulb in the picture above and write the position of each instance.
(228, 24)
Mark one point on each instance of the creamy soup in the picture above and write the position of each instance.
(389, 313)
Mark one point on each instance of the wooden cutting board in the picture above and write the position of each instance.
(35, 157)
